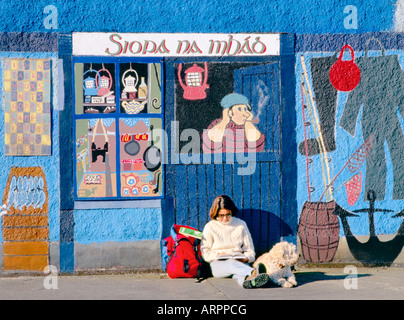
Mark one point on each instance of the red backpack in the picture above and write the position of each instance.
(181, 254)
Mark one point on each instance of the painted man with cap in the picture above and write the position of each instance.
(235, 131)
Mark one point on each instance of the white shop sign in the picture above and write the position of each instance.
(175, 44)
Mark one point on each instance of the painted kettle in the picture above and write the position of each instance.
(130, 82)
(105, 82)
(196, 83)
(91, 84)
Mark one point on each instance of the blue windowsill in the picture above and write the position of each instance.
(153, 203)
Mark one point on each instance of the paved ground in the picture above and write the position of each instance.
(313, 284)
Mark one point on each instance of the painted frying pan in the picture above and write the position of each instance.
(152, 155)
(132, 147)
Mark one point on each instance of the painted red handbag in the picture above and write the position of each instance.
(345, 74)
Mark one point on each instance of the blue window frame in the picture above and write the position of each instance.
(118, 120)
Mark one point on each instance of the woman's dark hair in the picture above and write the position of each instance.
(222, 202)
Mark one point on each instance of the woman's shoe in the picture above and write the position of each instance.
(254, 281)
(261, 268)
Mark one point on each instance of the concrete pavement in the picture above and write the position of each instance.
(313, 284)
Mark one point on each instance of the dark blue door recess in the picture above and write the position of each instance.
(192, 187)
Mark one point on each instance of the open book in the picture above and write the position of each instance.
(229, 256)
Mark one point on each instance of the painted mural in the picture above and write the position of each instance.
(350, 118)
(230, 109)
(235, 130)
(227, 114)
(25, 223)
(117, 111)
(350, 156)
(27, 111)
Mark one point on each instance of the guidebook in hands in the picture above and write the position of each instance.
(229, 256)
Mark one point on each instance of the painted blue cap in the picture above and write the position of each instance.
(233, 99)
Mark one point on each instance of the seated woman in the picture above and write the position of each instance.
(228, 247)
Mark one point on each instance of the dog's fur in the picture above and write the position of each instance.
(278, 262)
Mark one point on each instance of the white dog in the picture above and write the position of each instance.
(278, 262)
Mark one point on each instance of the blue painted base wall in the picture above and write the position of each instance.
(117, 225)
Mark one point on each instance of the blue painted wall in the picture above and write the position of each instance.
(97, 226)
(302, 16)
(326, 46)
(49, 164)
(382, 116)
(314, 22)
(67, 227)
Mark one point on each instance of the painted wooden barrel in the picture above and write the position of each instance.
(318, 231)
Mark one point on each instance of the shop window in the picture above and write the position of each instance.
(117, 109)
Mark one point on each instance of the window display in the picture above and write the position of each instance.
(117, 109)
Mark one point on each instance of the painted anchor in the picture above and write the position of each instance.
(373, 252)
